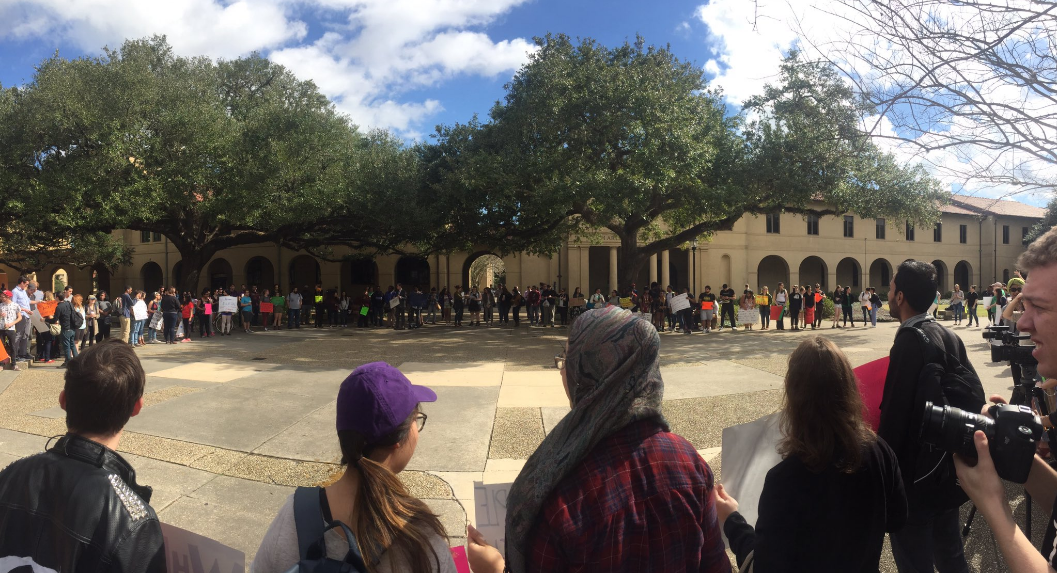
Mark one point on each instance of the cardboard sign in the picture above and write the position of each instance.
(207, 308)
(986, 301)
(47, 308)
(578, 301)
(394, 302)
(749, 452)
(186, 551)
(680, 302)
(761, 299)
(267, 307)
(707, 305)
(625, 302)
(139, 310)
(748, 315)
(490, 503)
(228, 304)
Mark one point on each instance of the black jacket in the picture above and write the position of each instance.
(63, 315)
(77, 508)
(902, 405)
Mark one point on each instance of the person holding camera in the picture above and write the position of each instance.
(932, 535)
(981, 481)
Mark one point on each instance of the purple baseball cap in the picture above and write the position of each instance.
(376, 398)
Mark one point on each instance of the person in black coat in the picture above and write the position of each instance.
(827, 505)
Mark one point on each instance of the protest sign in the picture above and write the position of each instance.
(818, 297)
(3, 353)
(749, 452)
(761, 299)
(490, 503)
(776, 312)
(707, 305)
(139, 310)
(578, 301)
(680, 302)
(871, 379)
(267, 307)
(47, 307)
(748, 315)
(186, 551)
(394, 302)
(228, 304)
(986, 301)
(364, 310)
(625, 302)
(319, 298)
(207, 308)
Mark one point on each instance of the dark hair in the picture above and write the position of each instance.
(917, 281)
(822, 416)
(387, 515)
(102, 386)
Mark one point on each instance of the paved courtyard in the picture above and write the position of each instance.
(232, 424)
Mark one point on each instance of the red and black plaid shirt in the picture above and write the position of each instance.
(641, 501)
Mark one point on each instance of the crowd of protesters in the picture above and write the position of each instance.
(610, 488)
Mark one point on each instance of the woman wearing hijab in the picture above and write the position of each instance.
(611, 488)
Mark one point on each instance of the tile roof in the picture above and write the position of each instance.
(997, 207)
(957, 210)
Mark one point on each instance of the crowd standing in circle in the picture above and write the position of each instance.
(611, 488)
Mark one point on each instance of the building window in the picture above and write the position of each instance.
(774, 223)
(937, 233)
(144, 236)
(1005, 234)
(812, 224)
(963, 234)
(157, 237)
(849, 226)
(1005, 275)
(880, 223)
(910, 231)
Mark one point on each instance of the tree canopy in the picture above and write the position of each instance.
(633, 141)
(209, 154)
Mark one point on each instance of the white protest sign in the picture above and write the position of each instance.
(680, 302)
(490, 503)
(749, 452)
(187, 552)
(228, 304)
(986, 301)
(139, 310)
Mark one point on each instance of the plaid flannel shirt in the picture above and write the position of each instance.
(641, 501)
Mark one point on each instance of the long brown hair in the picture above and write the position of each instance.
(386, 515)
(822, 416)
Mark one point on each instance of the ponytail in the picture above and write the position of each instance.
(387, 516)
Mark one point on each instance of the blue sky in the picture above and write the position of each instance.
(409, 65)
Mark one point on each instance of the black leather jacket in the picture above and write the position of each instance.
(77, 508)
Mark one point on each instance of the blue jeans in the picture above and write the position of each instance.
(873, 315)
(69, 348)
(957, 308)
(172, 320)
(293, 318)
(930, 537)
(136, 331)
(973, 315)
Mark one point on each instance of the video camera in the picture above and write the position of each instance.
(1013, 433)
(1006, 346)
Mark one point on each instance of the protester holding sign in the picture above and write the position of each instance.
(726, 297)
(708, 309)
(378, 422)
(763, 303)
(828, 504)
(567, 507)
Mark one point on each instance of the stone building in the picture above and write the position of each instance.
(976, 242)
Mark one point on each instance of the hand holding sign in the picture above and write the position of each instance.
(490, 502)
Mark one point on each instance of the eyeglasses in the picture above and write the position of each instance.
(1014, 290)
(559, 360)
(420, 420)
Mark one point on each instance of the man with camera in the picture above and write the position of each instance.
(981, 481)
(932, 534)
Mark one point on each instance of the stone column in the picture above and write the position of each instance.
(666, 277)
(653, 268)
(612, 269)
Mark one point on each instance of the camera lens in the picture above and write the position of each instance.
(952, 429)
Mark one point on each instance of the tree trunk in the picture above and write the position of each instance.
(630, 263)
(193, 260)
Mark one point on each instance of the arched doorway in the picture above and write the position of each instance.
(725, 269)
(219, 273)
(304, 272)
(412, 271)
(941, 275)
(476, 267)
(849, 273)
(100, 279)
(151, 278)
(260, 273)
(59, 280)
(487, 270)
(963, 274)
(178, 274)
(771, 271)
(813, 271)
(679, 269)
(358, 274)
(880, 274)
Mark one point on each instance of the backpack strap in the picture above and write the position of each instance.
(308, 519)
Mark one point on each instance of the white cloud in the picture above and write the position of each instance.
(372, 51)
